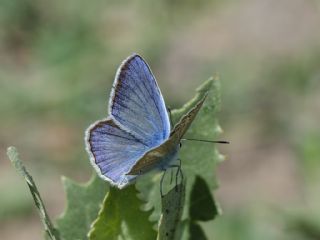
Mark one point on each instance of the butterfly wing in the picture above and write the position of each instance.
(155, 157)
(136, 103)
(113, 151)
(183, 125)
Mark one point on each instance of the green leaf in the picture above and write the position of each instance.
(196, 232)
(83, 204)
(306, 227)
(198, 158)
(172, 206)
(13, 155)
(202, 205)
(121, 217)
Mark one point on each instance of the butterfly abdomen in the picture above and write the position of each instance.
(158, 158)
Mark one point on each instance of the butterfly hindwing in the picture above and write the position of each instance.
(113, 151)
(136, 102)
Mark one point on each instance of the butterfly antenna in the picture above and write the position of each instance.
(208, 141)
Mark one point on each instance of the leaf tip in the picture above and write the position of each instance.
(216, 76)
(12, 153)
(66, 182)
(204, 87)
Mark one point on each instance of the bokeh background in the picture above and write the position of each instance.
(57, 63)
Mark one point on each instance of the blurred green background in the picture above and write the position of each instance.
(57, 63)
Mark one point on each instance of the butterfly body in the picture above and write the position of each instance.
(159, 158)
(136, 137)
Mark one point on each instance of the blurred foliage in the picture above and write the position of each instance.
(83, 205)
(51, 232)
(309, 153)
(304, 228)
(58, 61)
(202, 206)
(14, 202)
(121, 216)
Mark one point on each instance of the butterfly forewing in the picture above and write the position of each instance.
(137, 104)
(183, 125)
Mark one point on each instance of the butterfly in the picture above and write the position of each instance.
(136, 137)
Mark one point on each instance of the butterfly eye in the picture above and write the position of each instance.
(180, 144)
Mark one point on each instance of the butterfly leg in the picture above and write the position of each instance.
(170, 116)
(179, 171)
(171, 177)
(161, 182)
(177, 174)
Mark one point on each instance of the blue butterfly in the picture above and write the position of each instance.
(137, 136)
